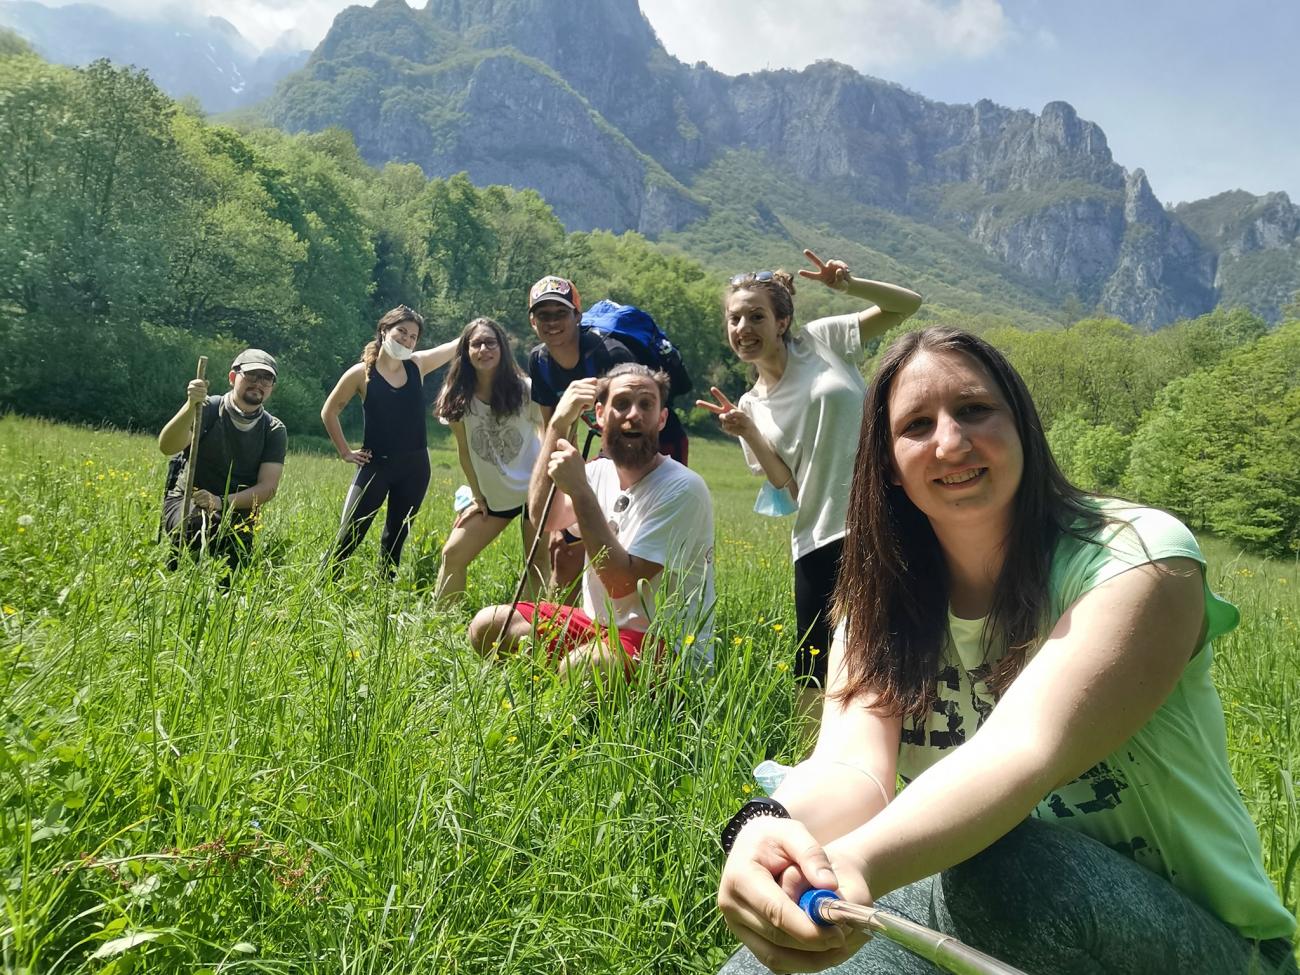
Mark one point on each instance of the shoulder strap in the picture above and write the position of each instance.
(207, 420)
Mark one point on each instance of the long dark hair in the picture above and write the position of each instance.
(508, 388)
(892, 591)
(392, 317)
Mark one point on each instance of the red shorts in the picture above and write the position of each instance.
(563, 628)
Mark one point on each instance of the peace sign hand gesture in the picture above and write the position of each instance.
(834, 274)
(733, 420)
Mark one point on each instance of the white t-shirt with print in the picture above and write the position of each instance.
(811, 417)
(503, 451)
(667, 518)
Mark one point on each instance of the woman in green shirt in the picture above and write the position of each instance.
(1035, 664)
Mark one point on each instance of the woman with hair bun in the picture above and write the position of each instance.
(393, 461)
(798, 422)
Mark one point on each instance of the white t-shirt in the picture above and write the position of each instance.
(668, 519)
(811, 417)
(503, 451)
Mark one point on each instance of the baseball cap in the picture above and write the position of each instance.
(551, 288)
(254, 359)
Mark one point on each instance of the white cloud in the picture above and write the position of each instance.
(732, 35)
(735, 36)
(262, 22)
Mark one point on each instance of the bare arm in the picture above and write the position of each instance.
(175, 435)
(738, 423)
(268, 482)
(1108, 665)
(467, 463)
(539, 486)
(891, 304)
(350, 384)
(619, 570)
(561, 423)
(1106, 668)
(435, 358)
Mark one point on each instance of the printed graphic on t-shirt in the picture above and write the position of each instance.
(497, 442)
(963, 702)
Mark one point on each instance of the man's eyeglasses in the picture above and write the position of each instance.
(259, 377)
(748, 276)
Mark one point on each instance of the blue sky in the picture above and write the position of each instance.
(1202, 95)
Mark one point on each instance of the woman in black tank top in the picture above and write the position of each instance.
(393, 461)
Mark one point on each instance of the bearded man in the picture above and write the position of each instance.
(646, 526)
(238, 467)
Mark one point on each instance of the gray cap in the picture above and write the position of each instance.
(254, 359)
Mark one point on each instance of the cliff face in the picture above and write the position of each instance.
(577, 99)
(1257, 239)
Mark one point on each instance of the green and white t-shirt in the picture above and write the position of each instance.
(1166, 797)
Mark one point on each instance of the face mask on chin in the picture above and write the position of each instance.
(397, 350)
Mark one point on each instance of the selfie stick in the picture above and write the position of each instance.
(827, 909)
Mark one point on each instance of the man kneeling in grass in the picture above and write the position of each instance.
(646, 523)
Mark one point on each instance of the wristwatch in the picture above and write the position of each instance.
(754, 809)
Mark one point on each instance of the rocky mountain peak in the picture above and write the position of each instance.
(632, 132)
(554, 31)
(1140, 203)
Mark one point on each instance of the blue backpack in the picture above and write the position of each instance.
(643, 338)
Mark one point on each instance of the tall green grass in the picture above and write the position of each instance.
(286, 774)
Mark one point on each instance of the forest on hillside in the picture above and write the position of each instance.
(138, 235)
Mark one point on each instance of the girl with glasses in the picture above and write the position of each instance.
(798, 422)
(486, 401)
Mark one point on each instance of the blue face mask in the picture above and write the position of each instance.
(775, 502)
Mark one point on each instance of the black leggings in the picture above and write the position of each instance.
(814, 589)
(402, 479)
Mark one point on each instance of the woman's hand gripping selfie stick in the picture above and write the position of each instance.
(196, 427)
(827, 909)
(540, 523)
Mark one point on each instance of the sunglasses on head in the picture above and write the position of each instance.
(748, 276)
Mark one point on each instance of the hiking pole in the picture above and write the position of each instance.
(194, 451)
(826, 909)
(592, 430)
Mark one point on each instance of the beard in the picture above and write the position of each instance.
(631, 452)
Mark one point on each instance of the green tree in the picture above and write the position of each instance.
(1222, 446)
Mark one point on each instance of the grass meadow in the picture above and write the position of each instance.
(295, 775)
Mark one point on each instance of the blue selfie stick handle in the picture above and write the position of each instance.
(810, 902)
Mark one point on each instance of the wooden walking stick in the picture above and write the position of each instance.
(197, 426)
